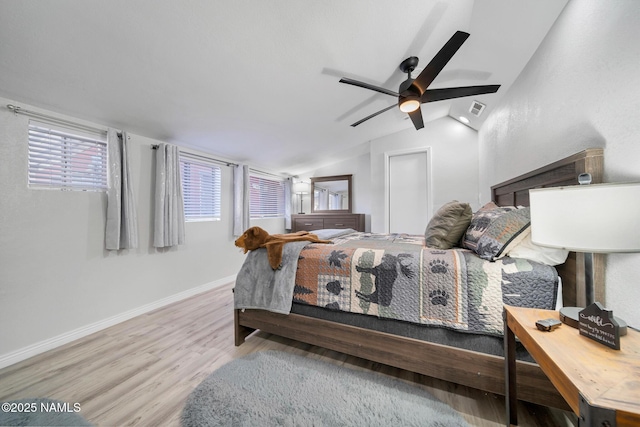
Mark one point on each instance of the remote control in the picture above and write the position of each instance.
(548, 324)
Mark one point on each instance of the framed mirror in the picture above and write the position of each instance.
(331, 194)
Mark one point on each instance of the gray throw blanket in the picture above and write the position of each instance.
(259, 286)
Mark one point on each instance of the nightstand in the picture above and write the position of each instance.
(601, 385)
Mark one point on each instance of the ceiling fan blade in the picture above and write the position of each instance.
(416, 118)
(438, 62)
(368, 86)
(432, 95)
(373, 115)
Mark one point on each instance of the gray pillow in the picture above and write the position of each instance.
(495, 231)
(447, 226)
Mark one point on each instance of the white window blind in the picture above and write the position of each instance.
(61, 158)
(266, 197)
(201, 188)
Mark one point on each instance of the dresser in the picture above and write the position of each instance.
(309, 222)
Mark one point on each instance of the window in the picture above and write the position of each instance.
(61, 158)
(201, 187)
(266, 197)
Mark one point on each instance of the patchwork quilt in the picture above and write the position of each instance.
(395, 276)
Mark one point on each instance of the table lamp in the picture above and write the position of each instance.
(301, 188)
(598, 218)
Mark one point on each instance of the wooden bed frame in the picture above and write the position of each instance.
(465, 367)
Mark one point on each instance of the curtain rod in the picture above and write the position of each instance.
(224, 162)
(268, 173)
(20, 110)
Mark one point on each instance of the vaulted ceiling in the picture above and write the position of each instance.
(257, 81)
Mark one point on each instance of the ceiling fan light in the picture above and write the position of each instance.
(409, 105)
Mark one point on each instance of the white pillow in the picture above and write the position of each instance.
(528, 250)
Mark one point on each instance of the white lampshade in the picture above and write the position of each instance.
(598, 218)
(301, 188)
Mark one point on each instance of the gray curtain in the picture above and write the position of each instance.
(287, 203)
(240, 199)
(168, 227)
(121, 231)
(323, 198)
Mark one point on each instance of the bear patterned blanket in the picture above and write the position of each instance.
(395, 276)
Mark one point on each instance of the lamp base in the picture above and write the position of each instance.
(570, 315)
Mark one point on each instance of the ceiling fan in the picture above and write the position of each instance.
(413, 92)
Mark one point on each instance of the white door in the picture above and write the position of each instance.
(408, 195)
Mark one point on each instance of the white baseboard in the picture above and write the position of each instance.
(51, 343)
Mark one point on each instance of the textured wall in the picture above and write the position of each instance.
(580, 90)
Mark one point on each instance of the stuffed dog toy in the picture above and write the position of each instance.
(256, 237)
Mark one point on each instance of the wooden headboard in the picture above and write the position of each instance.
(515, 192)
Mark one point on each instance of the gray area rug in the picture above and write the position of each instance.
(272, 388)
(40, 412)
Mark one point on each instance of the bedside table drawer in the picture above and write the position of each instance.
(340, 223)
(304, 224)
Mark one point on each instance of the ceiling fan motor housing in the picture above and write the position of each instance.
(409, 98)
(406, 86)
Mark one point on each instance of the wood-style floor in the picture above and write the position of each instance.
(141, 371)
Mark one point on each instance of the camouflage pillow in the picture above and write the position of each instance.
(448, 225)
(494, 230)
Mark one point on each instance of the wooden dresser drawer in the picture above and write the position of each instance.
(340, 223)
(308, 224)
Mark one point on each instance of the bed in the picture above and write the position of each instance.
(449, 349)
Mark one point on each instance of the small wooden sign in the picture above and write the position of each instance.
(598, 323)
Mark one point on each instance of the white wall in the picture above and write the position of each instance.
(580, 90)
(56, 276)
(454, 152)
